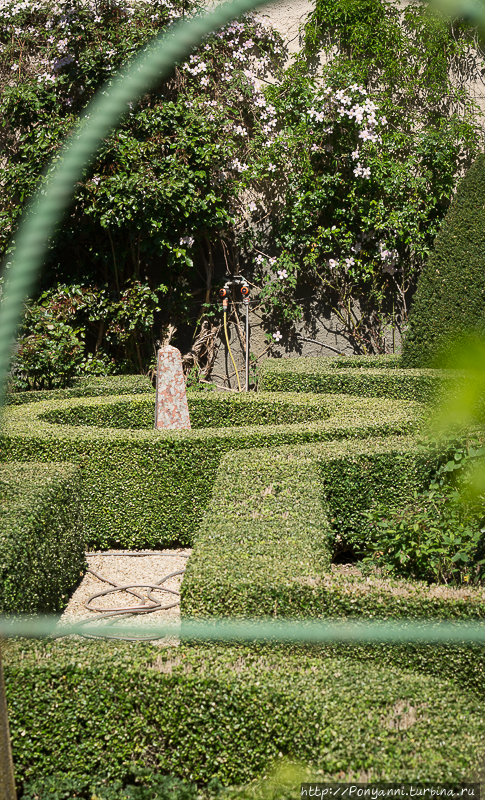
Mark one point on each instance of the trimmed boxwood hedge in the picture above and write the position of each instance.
(147, 488)
(86, 387)
(449, 303)
(265, 533)
(84, 708)
(265, 544)
(41, 536)
(354, 375)
(206, 411)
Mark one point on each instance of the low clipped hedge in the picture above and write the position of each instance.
(265, 529)
(365, 376)
(41, 536)
(95, 708)
(148, 488)
(86, 387)
(266, 541)
(206, 411)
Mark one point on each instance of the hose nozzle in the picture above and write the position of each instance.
(225, 297)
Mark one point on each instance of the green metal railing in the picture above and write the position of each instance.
(355, 631)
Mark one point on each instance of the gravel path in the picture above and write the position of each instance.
(124, 568)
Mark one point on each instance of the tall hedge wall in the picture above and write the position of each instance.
(147, 488)
(41, 536)
(450, 297)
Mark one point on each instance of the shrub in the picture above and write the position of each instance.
(86, 387)
(450, 300)
(148, 488)
(365, 376)
(48, 355)
(228, 712)
(41, 536)
(434, 537)
(265, 534)
(290, 510)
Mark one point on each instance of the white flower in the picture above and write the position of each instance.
(271, 167)
(366, 172)
(355, 154)
(282, 273)
(204, 81)
(332, 263)
(277, 336)
(188, 240)
(252, 206)
(236, 164)
(14, 66)
(259, 259)
(350, 261)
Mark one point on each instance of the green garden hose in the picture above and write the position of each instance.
(228, 347)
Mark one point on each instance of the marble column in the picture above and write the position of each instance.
(172, 411)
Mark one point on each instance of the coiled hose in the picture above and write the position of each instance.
(130, 588)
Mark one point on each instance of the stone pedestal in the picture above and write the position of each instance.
(171, 410)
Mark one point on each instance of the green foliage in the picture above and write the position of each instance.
(364, 376)
(333, 185)
(88, 386)
(135, 255)
(148, 488)
(194, 710)
(437, 535)
(433, 538)
(292, 509)
(50, 355)
(215, 411)
(50, 352)
(146, 785)
(449, 301)
(264, 537)
(368, 159)
(407, 52)
(41, 536)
